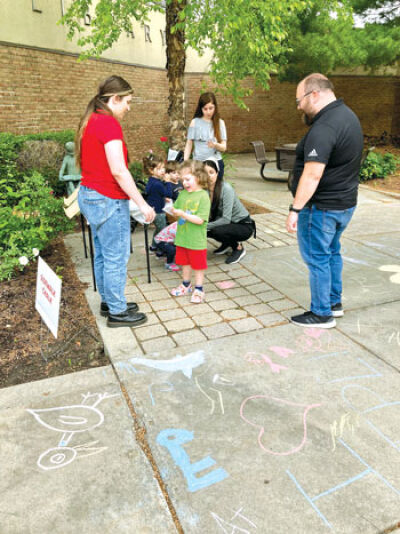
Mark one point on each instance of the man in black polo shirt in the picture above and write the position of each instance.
(324, 187)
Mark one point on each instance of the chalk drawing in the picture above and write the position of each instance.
(354, 261)
(173, 439)
(170, 388)
(382, 403)
(70, 420)
(395, 336)
(374, 374)
(346, 421)
(128, 367)
(283, 352)
(305, 408)
(368, 471)
(224, 525)
(395, 278)
(185, 364)
(221, 402)
(226, 284)
(260, 359)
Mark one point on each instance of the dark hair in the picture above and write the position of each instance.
(150, 162)
(171, 166)
(114, 85)
(217, 189)
(317, 82)
(205, 99)
(198, 171)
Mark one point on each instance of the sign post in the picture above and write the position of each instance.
(48, 296)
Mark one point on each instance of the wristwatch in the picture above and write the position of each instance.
(291, 208)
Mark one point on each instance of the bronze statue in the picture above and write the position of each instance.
(68, 172)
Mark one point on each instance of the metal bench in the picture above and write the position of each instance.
(262, 159)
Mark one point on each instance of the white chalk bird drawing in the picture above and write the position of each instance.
(70, 420)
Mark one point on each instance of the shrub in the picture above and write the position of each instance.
(30, 217)
(44, 156)
(44, 151)
(378, 165)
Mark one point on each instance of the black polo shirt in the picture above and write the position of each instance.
(336, 139)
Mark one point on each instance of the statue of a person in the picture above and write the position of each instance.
(68, 172)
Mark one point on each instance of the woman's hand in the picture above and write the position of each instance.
(148, 212)
(211, 144)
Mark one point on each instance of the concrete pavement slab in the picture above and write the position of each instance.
(376, 327)
(278, 430)
(388, 243)
(364, 282)
(70, 461)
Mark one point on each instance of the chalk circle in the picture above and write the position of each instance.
(56, 457)
(395, 278)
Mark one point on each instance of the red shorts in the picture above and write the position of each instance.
(197, 259)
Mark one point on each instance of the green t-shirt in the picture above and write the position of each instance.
(188, 234)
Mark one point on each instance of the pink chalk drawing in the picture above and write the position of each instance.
(226, 284)
(283, 352)
(306, 409)
(260, 359)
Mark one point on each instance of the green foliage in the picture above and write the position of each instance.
(247, 37)
(30, 216)
(136, 169)
(378, 166)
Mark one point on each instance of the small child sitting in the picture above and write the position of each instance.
(156, 192)
(165, 244)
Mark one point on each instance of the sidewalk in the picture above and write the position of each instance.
(255, 425)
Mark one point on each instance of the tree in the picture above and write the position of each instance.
(248, 38)
(350, 34)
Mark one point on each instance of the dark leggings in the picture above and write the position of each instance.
(231, 234)
(168, 249)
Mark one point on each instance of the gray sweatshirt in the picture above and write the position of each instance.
(230, 209)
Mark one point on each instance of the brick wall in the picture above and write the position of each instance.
(273, 118)
(45, 91)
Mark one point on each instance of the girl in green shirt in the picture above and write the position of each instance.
(192, 207)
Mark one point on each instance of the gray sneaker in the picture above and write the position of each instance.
(337, 310)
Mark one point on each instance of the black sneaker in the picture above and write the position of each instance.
(337, 310)
(152, 250)
(236, 256)
(131, 306)
(126, 318)
(221, 250)
(311, 320)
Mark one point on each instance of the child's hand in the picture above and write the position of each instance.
(177, 213)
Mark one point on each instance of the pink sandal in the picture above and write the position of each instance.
(197, 297)
(181, 290)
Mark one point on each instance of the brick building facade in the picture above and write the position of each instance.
(43, 90)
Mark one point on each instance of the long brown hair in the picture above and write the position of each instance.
(114, 85)
(217, 188)
(205, 99)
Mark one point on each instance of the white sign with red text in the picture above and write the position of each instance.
(48, 296)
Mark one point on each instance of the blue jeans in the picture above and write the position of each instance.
(110, 224)
(318, 234)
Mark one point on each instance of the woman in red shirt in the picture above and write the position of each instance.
(106, 187)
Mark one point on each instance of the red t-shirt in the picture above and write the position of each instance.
(96, 174)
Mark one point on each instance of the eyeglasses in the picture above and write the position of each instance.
(298, 100)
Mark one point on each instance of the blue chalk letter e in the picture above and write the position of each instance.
(173, 439)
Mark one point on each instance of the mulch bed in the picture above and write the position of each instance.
(28, 350)
(390, 184)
